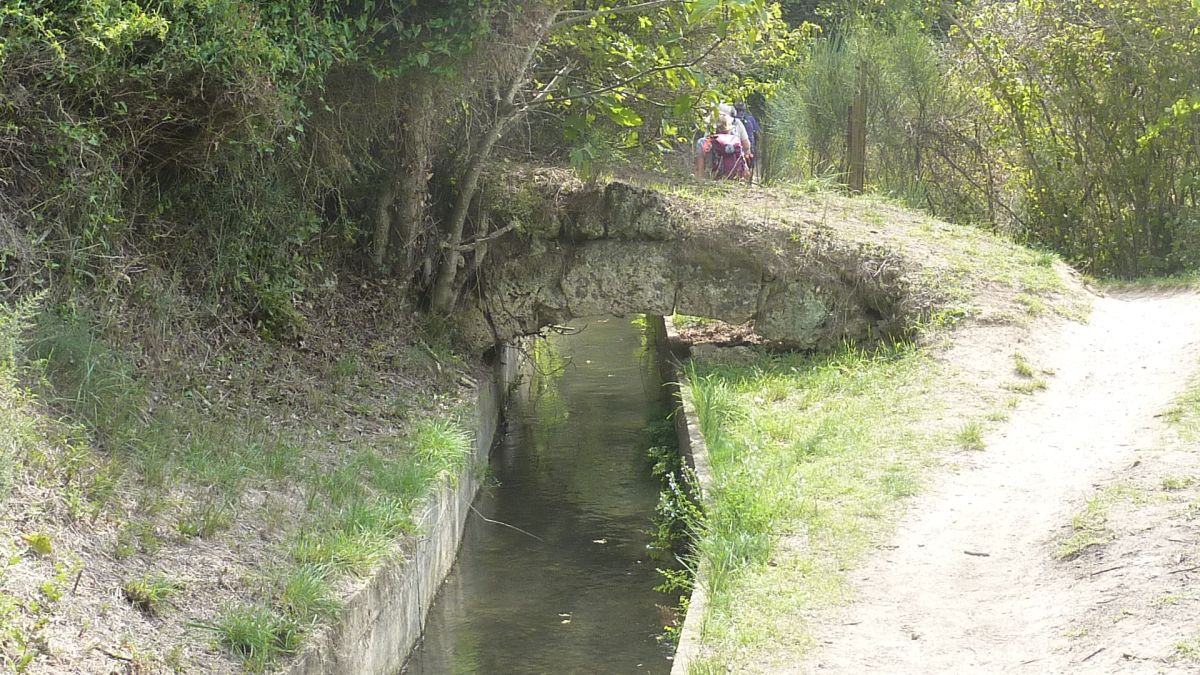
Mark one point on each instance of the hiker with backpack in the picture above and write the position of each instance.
(738, 127)
(725, 150)
(753, 130)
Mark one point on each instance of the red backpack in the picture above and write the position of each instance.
(728, 160)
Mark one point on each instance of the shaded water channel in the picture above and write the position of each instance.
(572, 471)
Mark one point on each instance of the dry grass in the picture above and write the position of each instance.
(176, 462)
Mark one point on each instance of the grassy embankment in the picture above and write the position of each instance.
(178, 494)
(813, 456)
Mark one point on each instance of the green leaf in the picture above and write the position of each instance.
(702, 7)
(625, 116)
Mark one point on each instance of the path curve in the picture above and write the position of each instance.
(969, 583)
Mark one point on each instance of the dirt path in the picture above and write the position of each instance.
(971, 582)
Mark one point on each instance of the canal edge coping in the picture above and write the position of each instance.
(695, 451)
(382, 620)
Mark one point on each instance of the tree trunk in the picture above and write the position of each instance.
(413, 189)
(383, 225)
(442, 298)
(406, 185)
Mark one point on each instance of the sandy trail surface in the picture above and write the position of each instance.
(970, 581)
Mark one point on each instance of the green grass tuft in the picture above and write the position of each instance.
(970, 436)
(1028, 386)
(256, 635)
(206, 520)
(306, 594)
(1177, 482)
(1089, 527)
(1189, 649)
(1022, 365)
(444, 445)
(151, 593)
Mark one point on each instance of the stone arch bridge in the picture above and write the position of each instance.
(808, 273)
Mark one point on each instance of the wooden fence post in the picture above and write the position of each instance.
(856, 139)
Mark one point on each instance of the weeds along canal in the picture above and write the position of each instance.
(567, 583)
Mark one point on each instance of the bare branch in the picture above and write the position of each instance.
(472, 245)
(550, 86)
(633, 78)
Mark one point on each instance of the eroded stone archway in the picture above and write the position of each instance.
(623, 249)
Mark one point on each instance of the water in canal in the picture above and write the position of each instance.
(572, 471)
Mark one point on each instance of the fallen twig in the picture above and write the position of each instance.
(981, 554)
(1092, 654)
(1186, 569)
(511, 527)
(1106, 569)
(113, 655)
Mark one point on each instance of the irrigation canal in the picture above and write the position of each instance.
(573, 589)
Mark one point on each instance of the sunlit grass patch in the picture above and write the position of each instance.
(1028, 386)
(1171, 483)
(1189, 649)
(1178, 282)
(1184, 412)
(257, 635)
(804, 483)
(970, 436)
(1089, 527)
(683, 321)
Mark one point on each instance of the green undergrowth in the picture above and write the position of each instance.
(330, 469)
(678, 516)
(1178, 282)
(811, 459)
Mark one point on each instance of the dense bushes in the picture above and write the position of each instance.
(197, 133)
(246, 146)
(1073, 124)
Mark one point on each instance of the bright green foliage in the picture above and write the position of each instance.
(1072, 124)
(1094, 106)
(640, 82)
(896, 64)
